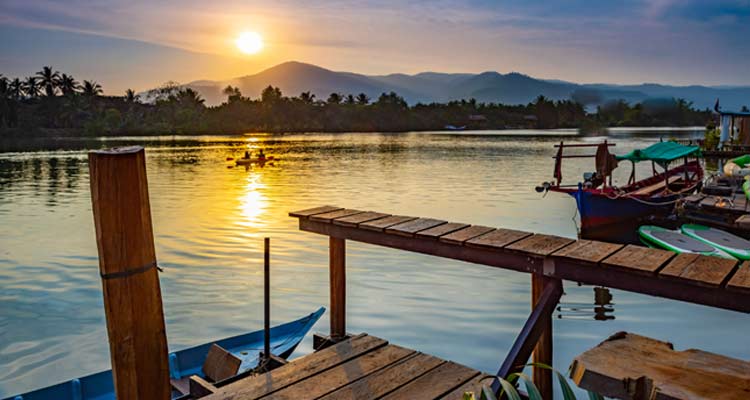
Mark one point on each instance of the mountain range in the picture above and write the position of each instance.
(294, 78)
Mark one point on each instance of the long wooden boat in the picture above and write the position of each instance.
(186, 362)
(612, 213)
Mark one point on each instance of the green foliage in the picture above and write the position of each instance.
(712, 138)
(510, 392)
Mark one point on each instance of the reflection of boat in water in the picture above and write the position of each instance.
(188, 362)
(612, 213)
(256, 160)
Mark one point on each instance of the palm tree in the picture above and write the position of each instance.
(334, 98)
(32, 87)
(49, 80)
(350, 99)
(16, 88)
(131, 97)
(91, 89)
(307, 97)
(68, 85)
(4, 92)
(362, 99)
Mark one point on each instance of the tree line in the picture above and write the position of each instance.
(56, 102)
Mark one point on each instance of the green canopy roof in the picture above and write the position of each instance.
(661, 152)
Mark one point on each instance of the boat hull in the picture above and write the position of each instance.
(617, 219)
(186, 362)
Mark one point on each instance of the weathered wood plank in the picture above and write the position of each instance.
(542, 245)
(474, 386)
(498, 238)
(436, 383)
(741, 279)
(386, 380)
(330, 380)
(411, 227)
(312, 211)
(380, 224)
(698, 269)
(441, 230)
(329, 216)
(459, 237)
(337, 286)
(588, 250)
(638, 259)
(356, 219)
(257, 386)
(629, 366)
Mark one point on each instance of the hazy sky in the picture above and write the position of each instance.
(141, 43)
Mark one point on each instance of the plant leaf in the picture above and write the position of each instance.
(487, 394)
(529, 383)
(567, 391)
(595, 396)
(509, 390)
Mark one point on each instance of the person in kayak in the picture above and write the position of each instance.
(261, 156)
(247, 154)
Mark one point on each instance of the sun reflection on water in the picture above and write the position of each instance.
(253, 201)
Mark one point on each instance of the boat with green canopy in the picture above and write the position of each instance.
(613, 213)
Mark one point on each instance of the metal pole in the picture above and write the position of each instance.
(267, 299)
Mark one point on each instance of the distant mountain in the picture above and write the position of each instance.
(294, 78)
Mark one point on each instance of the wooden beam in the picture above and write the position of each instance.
(543, 350)
(127, 264)
(532, 331)
(337, 273)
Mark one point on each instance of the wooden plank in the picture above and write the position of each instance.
(337, 286)
(327, 217)
(411, 227)
(380, 224)
(356, 219)
(130, 281)
(328, 381)
(741, 279)
(441, 230)
(312, 211)
(257, 386)
(542, 245)
(638, 259)
(459, 237)
(386, 380)
(436, 383)
(629, 366)
(498, 238)
(220, 364)
(699, 269)
(472, 386)
(590, 251)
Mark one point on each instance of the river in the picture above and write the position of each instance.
(210, 220)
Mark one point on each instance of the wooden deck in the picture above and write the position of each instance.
(362, 367)
(695, 279)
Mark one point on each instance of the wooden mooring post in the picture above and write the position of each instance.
(127, 265)
(337, 265)
(543, 351)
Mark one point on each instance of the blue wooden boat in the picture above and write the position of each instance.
(186, 362)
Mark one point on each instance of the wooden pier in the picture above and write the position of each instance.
(360, 367)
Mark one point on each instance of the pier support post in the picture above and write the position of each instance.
(127, 265)
(543, 351)
(337, 270)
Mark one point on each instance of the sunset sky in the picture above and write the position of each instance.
(140, 43)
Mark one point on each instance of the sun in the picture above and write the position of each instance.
(249, 42)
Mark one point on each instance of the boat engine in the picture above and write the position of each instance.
(592, 180)
(544, 187)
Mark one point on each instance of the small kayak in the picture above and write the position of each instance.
(656, 236)
(248, 161)
(186, 362)
(732, 244)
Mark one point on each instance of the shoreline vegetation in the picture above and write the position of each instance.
(53, 104)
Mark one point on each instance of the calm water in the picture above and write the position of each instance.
(209, 222)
